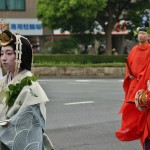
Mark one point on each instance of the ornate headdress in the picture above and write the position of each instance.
(4, 38)
(21, 46)
(145, 28)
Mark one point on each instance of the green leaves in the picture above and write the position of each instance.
(15, 89)
(71, 15)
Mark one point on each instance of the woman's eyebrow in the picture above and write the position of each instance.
(7, 50)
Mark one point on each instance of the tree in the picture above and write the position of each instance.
(79, 16)
(117, 10)
(72, 15)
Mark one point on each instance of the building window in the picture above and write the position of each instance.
(12, 4)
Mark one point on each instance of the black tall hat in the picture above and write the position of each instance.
(144, 29)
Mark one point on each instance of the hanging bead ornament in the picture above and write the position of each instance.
(4, 25)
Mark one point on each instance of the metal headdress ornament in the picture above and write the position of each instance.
(4, 38)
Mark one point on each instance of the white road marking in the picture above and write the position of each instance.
(76, 103)
(121, 80)
(77, 83)
(81, 80)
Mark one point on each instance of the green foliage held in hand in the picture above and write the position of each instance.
(15, 89)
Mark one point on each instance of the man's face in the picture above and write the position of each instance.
(8, 58)
(142, 37)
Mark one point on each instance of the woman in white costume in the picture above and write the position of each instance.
(22, 100)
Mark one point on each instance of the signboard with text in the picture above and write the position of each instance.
(30, 26)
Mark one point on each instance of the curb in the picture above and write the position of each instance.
(79, 72)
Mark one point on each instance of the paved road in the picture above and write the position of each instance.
(82, 114)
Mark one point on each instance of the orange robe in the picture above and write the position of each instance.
(135, 123)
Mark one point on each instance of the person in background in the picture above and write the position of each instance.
(125, 50)
(92, 50)
(85, 50)
(136, 122)
(101, 49)
(114, 51)
(22, 100)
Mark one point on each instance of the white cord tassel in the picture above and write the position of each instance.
(18, 53)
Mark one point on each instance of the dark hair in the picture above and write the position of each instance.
(26, 57)
(26, 54)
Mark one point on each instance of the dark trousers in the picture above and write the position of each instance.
(147, 144)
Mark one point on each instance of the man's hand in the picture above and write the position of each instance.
(131, 77)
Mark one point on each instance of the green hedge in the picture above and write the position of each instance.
(80, 59)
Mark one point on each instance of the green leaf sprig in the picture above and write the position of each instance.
(15, 89)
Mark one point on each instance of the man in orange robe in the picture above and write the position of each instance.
(135, 123)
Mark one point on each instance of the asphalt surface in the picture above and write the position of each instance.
(82, 114)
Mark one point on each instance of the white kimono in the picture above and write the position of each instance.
(22, 125)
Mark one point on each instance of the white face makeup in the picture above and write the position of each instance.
(8, 59)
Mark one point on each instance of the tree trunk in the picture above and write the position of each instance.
(108, 31)
(108, 42)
